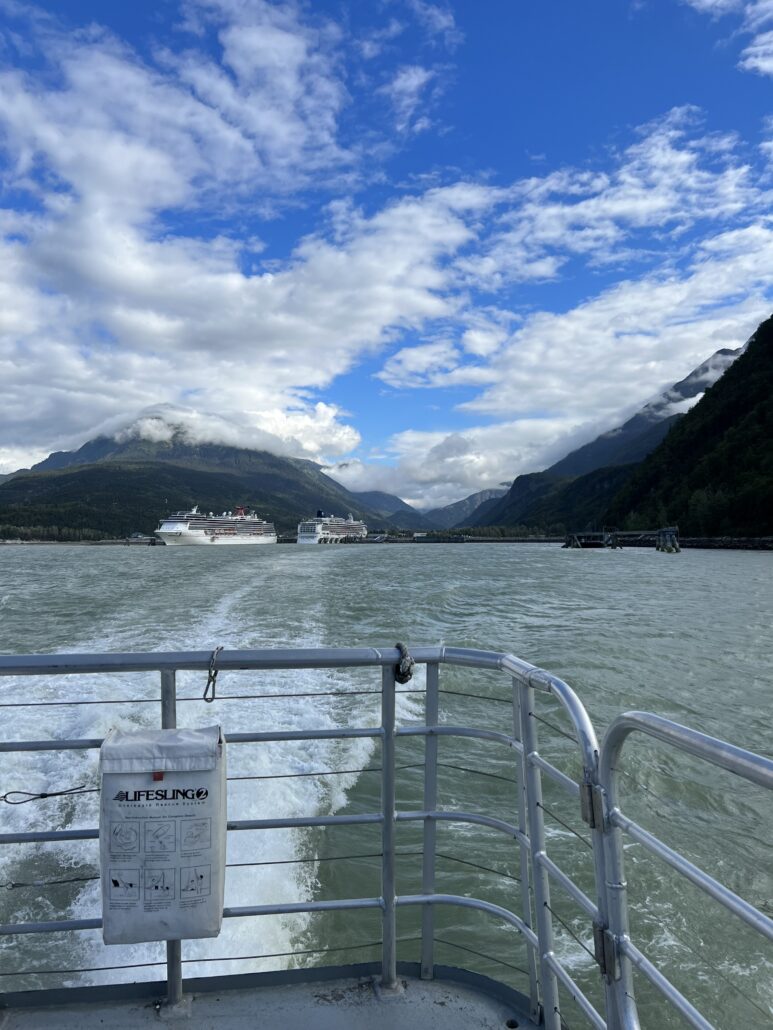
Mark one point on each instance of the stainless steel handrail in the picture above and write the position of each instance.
(752, 767)
(616, 953)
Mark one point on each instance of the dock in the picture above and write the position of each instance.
(664, 539)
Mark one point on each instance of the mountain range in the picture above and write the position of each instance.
(711, 473)
(660, 465)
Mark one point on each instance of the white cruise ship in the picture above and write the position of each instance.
(330, 529)
(232, 527)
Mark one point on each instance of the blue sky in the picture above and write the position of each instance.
(431, 245)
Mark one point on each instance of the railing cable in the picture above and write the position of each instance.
(570, 931)
(481, 954)
(219, 958)
(477, 697)
(566, 826)
(482, 868)
(552, 725)
(14, 884)
(25, 796)
(477, 772)
(220, 697)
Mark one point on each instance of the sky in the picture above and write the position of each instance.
(430, 244)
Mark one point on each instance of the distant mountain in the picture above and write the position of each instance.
(713, 474)
(455, 514)
(383, 503)
(541, 499)
(110, 489)
(640, 435)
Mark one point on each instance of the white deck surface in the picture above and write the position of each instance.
(353, 1004)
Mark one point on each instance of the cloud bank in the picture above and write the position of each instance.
(144, 273)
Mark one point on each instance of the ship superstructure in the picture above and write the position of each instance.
(231, 527)
(330, 529)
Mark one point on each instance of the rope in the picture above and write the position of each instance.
(404, 668)
(24, 797)
(212, 676)
(13, 884)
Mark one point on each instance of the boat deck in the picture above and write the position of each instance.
(340, 1003)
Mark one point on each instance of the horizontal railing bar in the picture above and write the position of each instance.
(47, 836)
(462, 901)
(569, 886)
(65, 925)
(279, 658)
(460, 731)
(301, 906)
(570, 785)
(750, 915)
(301, 821)
(752, 767)
(51, 745)
(270, 735)
(340, 905)
(667, 989)
(465, 817)
(50, 926)
(577, 995)
(232, 738)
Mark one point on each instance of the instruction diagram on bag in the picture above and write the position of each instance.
(124, 884)
(195, 834)
(124, 838)
(160, 836)
(159, 884)
(196, 881)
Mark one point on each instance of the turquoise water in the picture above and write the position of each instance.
(688, 636)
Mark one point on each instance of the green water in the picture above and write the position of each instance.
(688, 636)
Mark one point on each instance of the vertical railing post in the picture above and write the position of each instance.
(621, 979)
(389, 925)
(174, 967)
(430, 824)
(533, 780)
(523, 826)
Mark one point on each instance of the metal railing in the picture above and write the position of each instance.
(596, 789)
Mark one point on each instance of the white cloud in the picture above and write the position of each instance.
(431, 469)
(404, 92)
(758, 56)
(715, 7)
(666, 182)
(310, 433)
(438, 21)
(115, 298)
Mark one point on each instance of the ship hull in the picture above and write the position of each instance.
(183, 539)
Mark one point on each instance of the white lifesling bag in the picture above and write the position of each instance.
(162, 832)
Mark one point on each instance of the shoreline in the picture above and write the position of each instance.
(719, 543)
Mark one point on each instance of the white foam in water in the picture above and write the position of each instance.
(230, 621)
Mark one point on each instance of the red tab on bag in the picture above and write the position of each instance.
(157, 776)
